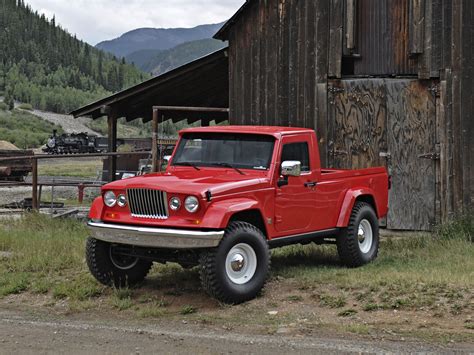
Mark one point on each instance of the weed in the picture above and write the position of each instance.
(347, 313)
(188, 309)
(294, 298)
(371, 307)
(332, 301)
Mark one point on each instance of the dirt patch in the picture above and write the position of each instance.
(4, 145)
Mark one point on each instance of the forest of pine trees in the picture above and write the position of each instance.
(42, 64)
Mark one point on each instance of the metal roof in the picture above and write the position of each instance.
(203, 82)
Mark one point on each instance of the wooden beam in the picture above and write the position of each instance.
(154, 141)
(417, 26)
(351, 19)
(112, 145)
(34, 185)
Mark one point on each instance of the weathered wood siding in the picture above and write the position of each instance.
(278, 64)
(289, 59)
(467, 102)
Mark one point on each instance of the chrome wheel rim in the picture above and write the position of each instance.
(241, 263)
(122, 262)
(365, 236)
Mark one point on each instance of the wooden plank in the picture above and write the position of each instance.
(310, 67)
(336, 14)
(416, 26)
(467, 104)
(411, 133)
(301, 15)
(292, 75)
(34, 185)
(442, 134)
(283, 62)
(112, 144)
(154, 142)
(351, 21)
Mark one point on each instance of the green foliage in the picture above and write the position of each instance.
(27, 107)
(461, 227)
(162, 61)
(46, 66)
(24, 129)
(3, 106)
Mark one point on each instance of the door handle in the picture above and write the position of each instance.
(310, 184)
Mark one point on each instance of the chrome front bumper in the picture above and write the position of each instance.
(154, 237)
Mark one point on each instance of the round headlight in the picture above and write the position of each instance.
(191, 204)
(121, 200)
(175, 203)
(109, 199)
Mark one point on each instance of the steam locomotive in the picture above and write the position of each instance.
(75, 143)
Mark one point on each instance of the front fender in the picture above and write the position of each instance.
(219, 213)
(97, 209)
(348, 204)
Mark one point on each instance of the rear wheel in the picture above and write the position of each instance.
(113, 269)
(237, 269)
(358, 244)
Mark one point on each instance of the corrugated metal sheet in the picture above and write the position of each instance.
(383, 38)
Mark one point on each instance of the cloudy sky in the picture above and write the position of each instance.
(98, 20)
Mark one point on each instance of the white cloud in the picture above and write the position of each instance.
(98, 20)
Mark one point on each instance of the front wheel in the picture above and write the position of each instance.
(358, 244)
(112, 268)
(237, 269)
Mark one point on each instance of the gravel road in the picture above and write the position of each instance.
(27, 334)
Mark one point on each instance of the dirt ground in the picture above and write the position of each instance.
(26, 333)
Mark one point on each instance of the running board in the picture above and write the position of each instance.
(304, 238)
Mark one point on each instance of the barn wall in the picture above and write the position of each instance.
(279, 63)
(467, 104)
(283, 54)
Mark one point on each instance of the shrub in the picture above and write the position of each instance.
(3, 106)
(25, 107)
(460, 227)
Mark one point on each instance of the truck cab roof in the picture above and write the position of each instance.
(275, 131)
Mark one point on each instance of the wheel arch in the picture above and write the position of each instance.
(352, 196)
(253, 216)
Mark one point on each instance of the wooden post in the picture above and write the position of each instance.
(34, 185)
(154, 142)
(112, 144)
(351, 18)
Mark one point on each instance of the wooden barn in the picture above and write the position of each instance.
(383, 82)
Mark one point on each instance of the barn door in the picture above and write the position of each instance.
(411, 108)
(357, 123)
(388, 122)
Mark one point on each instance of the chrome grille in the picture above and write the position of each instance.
(147, 203)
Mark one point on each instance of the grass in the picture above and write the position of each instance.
(432, 276)
(24, 129)
(79, 168)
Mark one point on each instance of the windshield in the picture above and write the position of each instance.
(245, 151)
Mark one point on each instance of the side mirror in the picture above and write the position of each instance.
(291, 168)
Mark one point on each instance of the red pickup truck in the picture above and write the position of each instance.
(229, 195)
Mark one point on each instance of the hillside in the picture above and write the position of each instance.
(158, 62)
(156, 38)
(44, 65)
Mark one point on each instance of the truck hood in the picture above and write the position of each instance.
(192, 182)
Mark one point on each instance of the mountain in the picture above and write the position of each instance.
(156, 38)
(158, 62)
(42, 64)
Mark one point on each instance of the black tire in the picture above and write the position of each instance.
(349, 248)
(107, 269)
(214, 278)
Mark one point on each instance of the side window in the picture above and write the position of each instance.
(297, 151)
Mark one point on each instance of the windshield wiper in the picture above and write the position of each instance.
(227, 165)
(185, 163)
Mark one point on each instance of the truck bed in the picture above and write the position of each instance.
(333, 174)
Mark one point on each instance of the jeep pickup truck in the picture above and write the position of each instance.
(229, 195)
